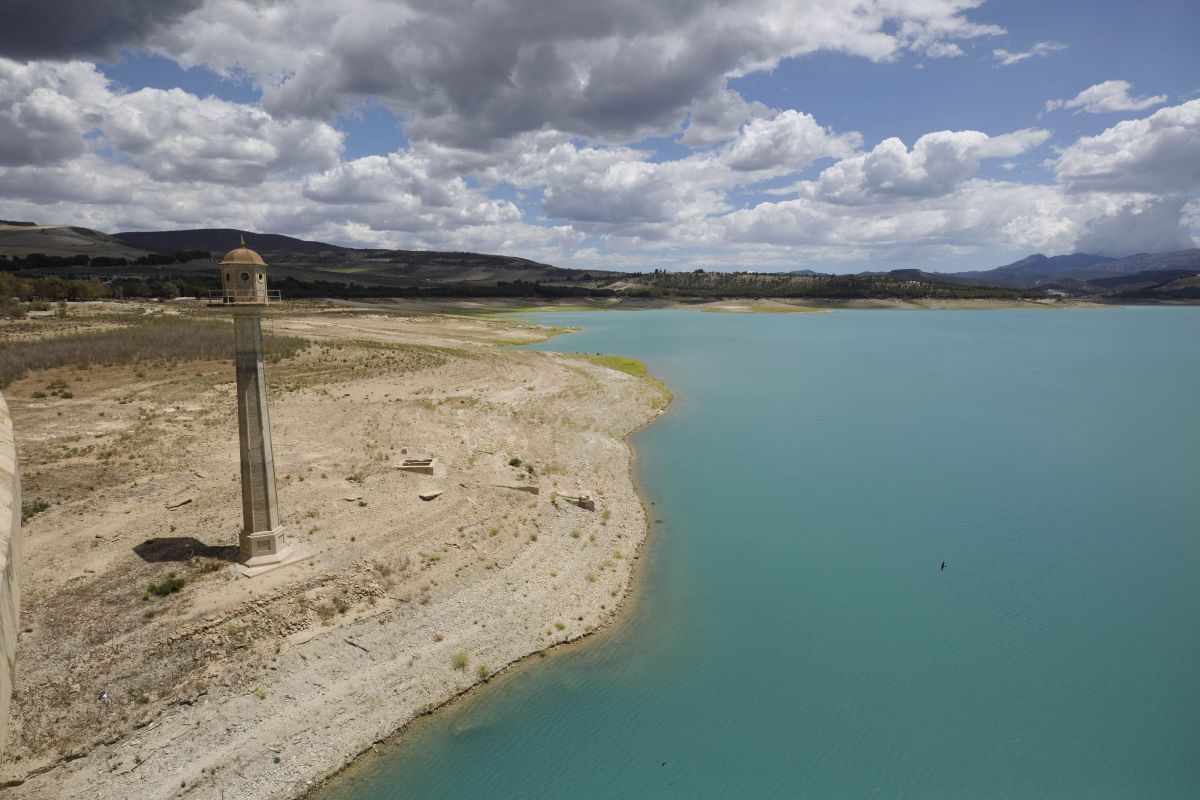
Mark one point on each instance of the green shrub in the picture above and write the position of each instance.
(459, 660)
(171, 585)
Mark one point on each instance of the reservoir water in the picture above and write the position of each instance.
(792, 634)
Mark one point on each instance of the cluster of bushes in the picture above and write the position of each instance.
(41, 261)
(53, 288)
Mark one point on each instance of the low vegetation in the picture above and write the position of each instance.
(172, 584)
(629, 366)
(156, 338)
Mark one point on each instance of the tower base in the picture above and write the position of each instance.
(263, 551)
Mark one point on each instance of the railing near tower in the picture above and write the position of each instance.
(244, 297)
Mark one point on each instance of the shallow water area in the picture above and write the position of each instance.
(792, 632)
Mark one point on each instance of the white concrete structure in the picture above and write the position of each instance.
(10, 565)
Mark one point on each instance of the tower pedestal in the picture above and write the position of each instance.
(263, 551)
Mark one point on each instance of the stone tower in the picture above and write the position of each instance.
(263, 544)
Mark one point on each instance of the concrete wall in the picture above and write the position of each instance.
(10, 565)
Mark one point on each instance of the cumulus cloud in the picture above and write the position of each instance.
(937, 163)
(1107, 97)
(787, 142)
(39, 29)
(976, 214)
(52, 112)
(397, 193)
(1137, 225)
(175, 136)
(503, 99)
(46, 109)
(1006, 58)
(470, 74)
(1159, 154)
(718, 116)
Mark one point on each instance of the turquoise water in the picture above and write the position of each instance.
(792, 634)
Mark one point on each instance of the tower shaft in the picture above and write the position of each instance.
(260, 510)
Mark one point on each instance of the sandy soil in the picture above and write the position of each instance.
(257, 688)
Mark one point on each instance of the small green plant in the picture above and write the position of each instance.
(171, 585)
(261, 693)
(514, 462)
(356, 477)
(560, 625)
(38, 395)
(576, 533)
(590, 577)
(32, 509)
(484, 672)
(459, 660)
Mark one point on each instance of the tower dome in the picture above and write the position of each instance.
(242, 256)
(243, 277)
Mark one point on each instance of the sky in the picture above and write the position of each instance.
(835, 135)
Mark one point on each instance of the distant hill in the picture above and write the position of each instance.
(222, 240)
(289, 257)
(312, 268)
(1033, 270)
(23, 239)
(1038, 270)
(1160, 285)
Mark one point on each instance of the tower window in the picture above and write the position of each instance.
(227, 276)
(245, 276)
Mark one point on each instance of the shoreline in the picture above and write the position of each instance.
(239, 687)
(621, 613)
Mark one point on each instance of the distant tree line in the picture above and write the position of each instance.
(832, 287)
(23, 289)
(42, 261)
(15, 289)
(292, 288)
